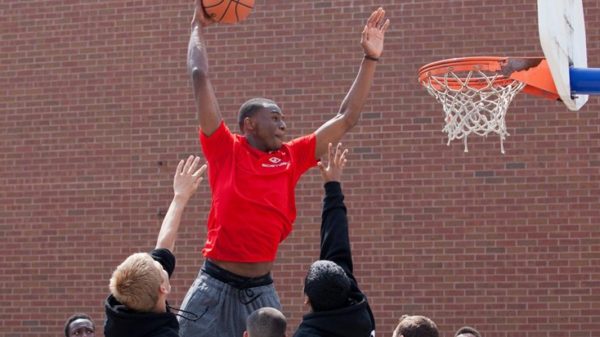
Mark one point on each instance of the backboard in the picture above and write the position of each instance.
(562, 36)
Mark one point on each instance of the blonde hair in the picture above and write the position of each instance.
(136, 282)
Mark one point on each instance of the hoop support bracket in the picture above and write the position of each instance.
(585, 81)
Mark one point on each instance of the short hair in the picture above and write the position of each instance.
(416, 326)
(136, 282)
(327, 286)
(251, 106)
(75, 317)
(467, 330)
(266, 322)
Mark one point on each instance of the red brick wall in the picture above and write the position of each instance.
(96, 109)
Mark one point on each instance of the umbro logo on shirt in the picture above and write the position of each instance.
(274, 160)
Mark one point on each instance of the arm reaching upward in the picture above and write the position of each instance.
(207, 107)
(352, 105)
(185, 183)
(335, 242)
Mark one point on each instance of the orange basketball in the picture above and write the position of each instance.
(228, 11)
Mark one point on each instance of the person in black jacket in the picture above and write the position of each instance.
(338, 307)
(139, 286)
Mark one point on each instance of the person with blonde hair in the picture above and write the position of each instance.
(137, 305)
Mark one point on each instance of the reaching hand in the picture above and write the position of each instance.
(188, 177)
(200, 16)
(335, 165)
(374, 32)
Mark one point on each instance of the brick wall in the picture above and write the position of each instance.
(96, 109)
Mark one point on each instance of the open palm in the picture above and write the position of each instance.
(374, 32)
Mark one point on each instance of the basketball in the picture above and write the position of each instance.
(228, 11)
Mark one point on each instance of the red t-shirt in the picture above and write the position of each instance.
(253, 200)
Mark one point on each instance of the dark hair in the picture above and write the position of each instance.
(251, 106)
(416, 326)
(266, 322)
(467, 330)
(327, 286)
(75, 317)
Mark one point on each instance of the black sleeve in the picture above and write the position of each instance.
(335, 243)
(165, 258)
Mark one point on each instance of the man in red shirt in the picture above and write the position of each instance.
(252, 178)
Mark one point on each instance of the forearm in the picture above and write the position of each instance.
(334, 129)
(170, 224)
(356, 97)
(335, 242)
(208, 113)
(197, 57)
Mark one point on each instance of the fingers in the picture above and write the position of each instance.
(188, 164)
(376, 18)
(385, 26)
(194, 165)
(198, 175)
(321, 167)
(179, 167)
(201, 170)
(329, 153)
(338, 153)
(371, 21)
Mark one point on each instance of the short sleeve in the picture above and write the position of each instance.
(302, 151)
(165, 258)
(218, 146)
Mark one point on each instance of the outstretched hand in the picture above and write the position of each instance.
(188, 177)
(374, 32)
(200, 16)
(335, 165)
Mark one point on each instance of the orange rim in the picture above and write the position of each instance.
(533, 71)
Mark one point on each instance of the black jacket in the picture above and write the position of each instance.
(355, 320)
(124, 322)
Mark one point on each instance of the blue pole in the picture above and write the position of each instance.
(585, 81)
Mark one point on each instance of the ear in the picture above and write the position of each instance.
(249, 124)
(165, 289)
(246, 333)
(306, 301)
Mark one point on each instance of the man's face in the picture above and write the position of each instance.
(81, 328)
(269, 127)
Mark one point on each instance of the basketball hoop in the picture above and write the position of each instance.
(476, 91)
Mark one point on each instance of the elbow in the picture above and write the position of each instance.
(349, 120)
(199, 76)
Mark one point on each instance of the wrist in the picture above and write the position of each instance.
(371, 58)
(181, 199)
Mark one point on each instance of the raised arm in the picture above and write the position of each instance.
(207, 107)
(352, 105)
(185, 182)
(335, 242)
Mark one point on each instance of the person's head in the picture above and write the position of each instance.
(262, 122)
(140, 283)
(79, 325)
(266, 322)
(467, 331)
(416, 326)
(326, 286)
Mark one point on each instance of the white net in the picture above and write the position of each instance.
(474, 102)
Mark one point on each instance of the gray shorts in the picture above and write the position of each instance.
(218, 302)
